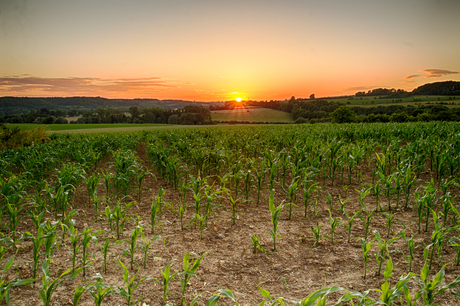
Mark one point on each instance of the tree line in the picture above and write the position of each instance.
(189, 114)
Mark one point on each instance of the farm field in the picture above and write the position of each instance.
(251, 114)
(89, 128)
(415, 101)
(290, 209)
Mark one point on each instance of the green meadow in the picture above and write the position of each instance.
(251, 114)
(89, 128)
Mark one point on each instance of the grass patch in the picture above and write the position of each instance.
(95, 127)
(251, 114)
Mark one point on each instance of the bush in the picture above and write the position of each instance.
(49, 120)
(61, 120)
(301, 120)
(174, 119)
(16, 138)
(343, 114)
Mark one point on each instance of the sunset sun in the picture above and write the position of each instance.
(238, 99)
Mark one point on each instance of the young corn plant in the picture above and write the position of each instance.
(247, 183)
(77, 294)
(317, 234)
(366, 247)
(108, 182)
(210, 201)
(99, 290)
(234, 204)
(389, 216)
(68, 221)
(260, 174)
(376, 191)
(409, 181)
(342, 204)
(438, 238)
(166, 279)
(411, 246)
(419, 204)
(387, 182)
(131, 285)
(5, 285)
(349, 223)
(367, 219)
(201, 221)
(145, 245)
(335, 223)
(120, 216)
(307, 194)
(275, 217)
(49, 286)
(132, 244)
(291, 192)
(430, 289)
(110, 218)
(389, 295)
(383, 247)
(37, 242)
(50, 238)
(14, 211)
(140, 175)
(362, 195)
(329, 200)
(91, 185)
(255, 244)
(104, 252)
(154, 210)
(75, 244)
(398, 187)
(88, 236)
(429, 200)
(190, 267)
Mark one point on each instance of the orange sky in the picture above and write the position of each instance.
(218, 50)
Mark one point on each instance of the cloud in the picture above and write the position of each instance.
(17, 85)
(437, 73)
(430, 73)
(412, 76)
(360, 88)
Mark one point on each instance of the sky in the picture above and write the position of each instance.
(218, 50)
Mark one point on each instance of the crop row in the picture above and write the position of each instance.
(391, 169)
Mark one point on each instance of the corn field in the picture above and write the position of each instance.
(351, 214)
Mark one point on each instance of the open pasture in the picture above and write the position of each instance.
(246, 213)
(251, 114)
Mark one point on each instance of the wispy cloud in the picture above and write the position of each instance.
(412, 76)
(360, 88)
(431, 73)
(26, 84)
(437, 73)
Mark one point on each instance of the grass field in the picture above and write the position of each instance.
(89, 128)
(414, 101)
(251, 114)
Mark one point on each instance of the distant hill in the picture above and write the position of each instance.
(445, 88)
(439, 88)
(22, 105)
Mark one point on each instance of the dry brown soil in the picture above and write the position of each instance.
(293, 272)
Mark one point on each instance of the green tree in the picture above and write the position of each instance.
(134, 111)
(174, 119)
(343, 114)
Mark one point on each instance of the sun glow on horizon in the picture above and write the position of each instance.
(238, 99)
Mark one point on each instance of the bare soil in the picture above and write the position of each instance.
(294, 271)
